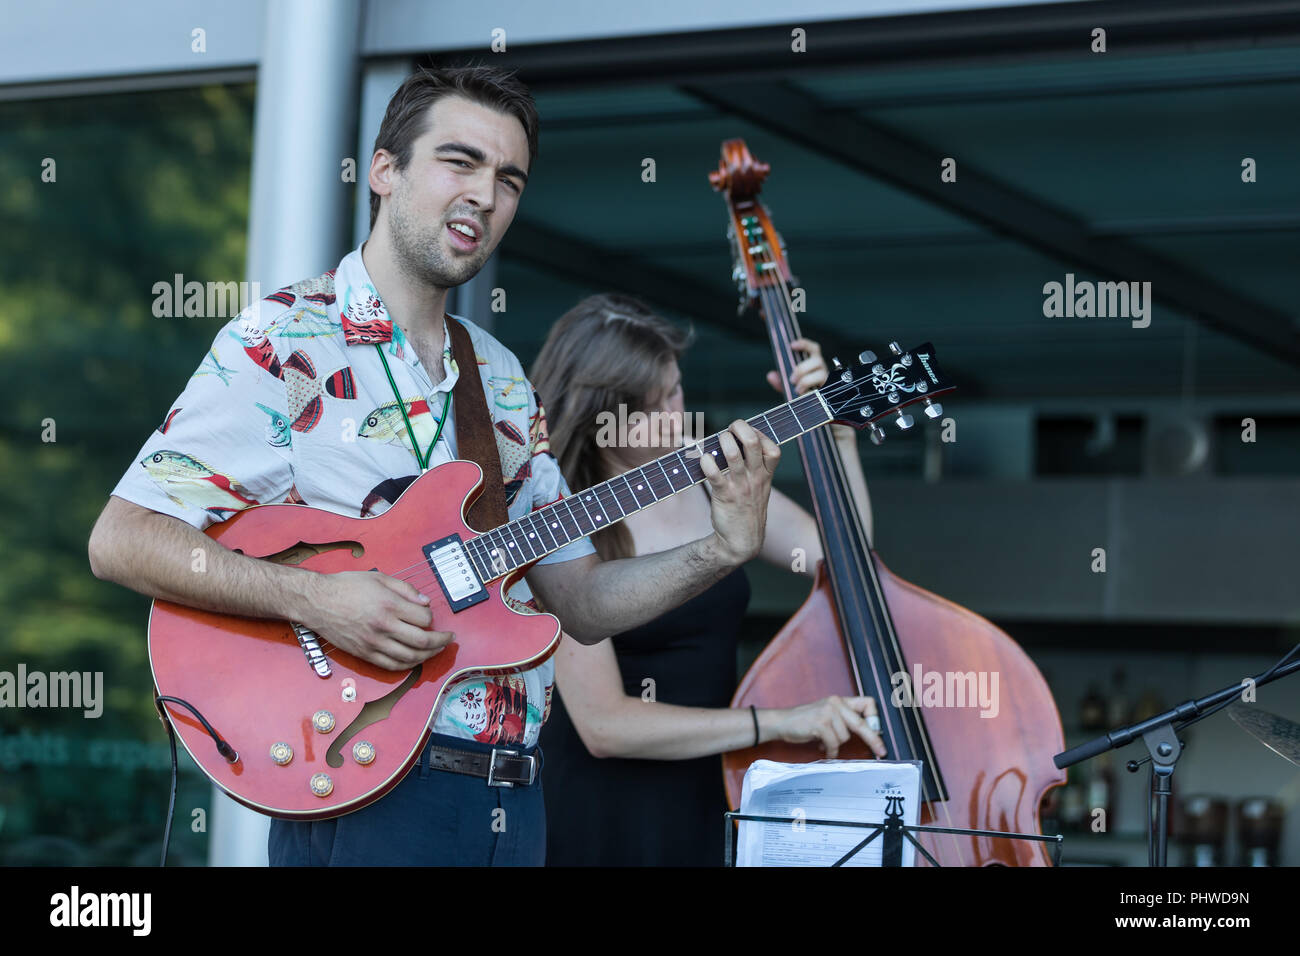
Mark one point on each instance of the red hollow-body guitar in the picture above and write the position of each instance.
(293, 727)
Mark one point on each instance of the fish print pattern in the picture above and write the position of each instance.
(385, 424)
(278, 434)
(291, 404)
(188, 481)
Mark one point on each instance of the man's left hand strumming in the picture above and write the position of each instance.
(740, 494)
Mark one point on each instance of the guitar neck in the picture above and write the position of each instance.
(524, 540)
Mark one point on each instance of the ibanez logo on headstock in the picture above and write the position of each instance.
(862, 395)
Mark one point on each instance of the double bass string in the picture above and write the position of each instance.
(838, 487)
(829, 460)
(833, 465)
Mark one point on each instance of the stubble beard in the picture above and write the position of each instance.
(419, 250)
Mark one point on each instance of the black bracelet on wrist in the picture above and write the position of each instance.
(753, 712)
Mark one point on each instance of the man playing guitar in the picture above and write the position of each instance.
(309, 409)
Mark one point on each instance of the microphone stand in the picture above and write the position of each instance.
(1161, 739)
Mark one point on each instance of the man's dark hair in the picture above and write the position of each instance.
(407, 116)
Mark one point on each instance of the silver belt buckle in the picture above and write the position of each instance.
(492, 766)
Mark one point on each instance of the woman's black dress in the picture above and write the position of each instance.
(620, 812)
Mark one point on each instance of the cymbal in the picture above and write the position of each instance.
(1278, 734)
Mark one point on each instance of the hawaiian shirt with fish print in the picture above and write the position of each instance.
(292, 404)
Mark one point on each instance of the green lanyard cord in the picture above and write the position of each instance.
(401, 407)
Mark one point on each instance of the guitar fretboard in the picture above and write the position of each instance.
(524, 540)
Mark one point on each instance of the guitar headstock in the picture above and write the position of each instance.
(873, 389)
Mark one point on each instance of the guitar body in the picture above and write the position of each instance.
(254, 684)
(320, 733)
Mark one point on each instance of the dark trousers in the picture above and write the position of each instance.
(432, 818)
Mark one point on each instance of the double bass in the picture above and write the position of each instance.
(862, 627)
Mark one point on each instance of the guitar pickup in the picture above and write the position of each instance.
(455, 573)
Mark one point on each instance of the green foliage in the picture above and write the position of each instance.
(146, 185)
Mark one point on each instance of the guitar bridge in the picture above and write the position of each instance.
(311, 647)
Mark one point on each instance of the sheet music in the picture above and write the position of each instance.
(847, 790)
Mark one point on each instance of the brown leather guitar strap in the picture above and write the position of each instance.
(475, 433)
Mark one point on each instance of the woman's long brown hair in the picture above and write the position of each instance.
(608, 350)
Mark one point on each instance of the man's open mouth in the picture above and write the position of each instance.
(463, 236)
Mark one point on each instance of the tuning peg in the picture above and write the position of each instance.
(904, 421)
(835, 362)
(867, 357)
(893, 347)
(876, 432)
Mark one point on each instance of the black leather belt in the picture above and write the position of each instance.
(502, 768)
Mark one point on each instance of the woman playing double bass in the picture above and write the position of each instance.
(633, 735)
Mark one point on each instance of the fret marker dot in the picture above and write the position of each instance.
(510, 544)
(674, 471)
(555, 524)
(597, 517)
(638, 487)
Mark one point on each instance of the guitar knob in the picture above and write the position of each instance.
(322, 785)
(281, 753)
(877, 434)
(867, 357)
(363, 752)
(893, 347)
(323, 721)
(904, 421)
(933, 408)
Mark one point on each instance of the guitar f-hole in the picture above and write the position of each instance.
(371, 713)
(300, 552)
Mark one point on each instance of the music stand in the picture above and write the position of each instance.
(893, 829)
